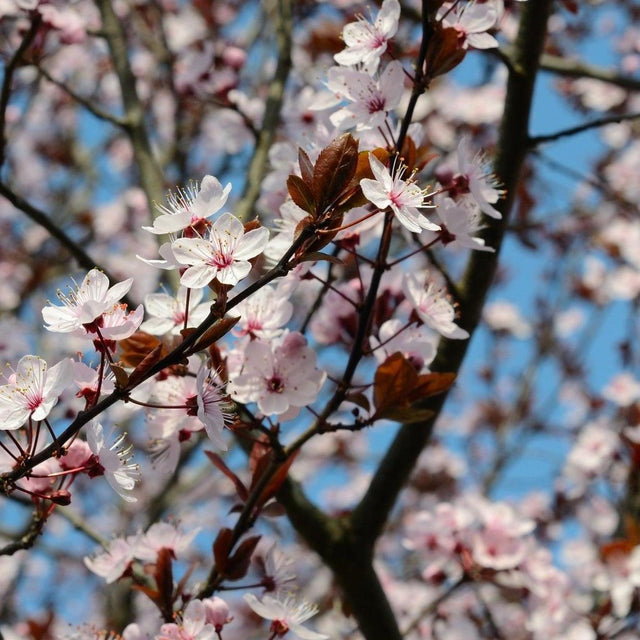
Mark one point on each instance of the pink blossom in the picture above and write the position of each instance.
(169, 313)
(193, 626)
(281, 376)
(82, 309)
(263, 314)
(369, 100)
(224, 255)
(432, 306)
(403, 197)
(111, 564)
(162, 535)
(367, 40)
(623, 389)
(114, 461)
(216, 612)
(33, 390)
(191, 207)
(287, 615)
(417, 344)
(471, 20)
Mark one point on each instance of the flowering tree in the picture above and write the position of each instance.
(269, 376)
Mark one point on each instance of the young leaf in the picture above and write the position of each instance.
(333, 171)
(306, 166)
(219, 463)
(394, 378)
(301, 194)
(238, 563)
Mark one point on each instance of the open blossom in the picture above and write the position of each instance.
(471, 20)
(370, 100)
(416, 343)
(191, 207)
(472, 181)
(32, 391)
(169, 313)
(263, 314)
(193, 626)
(223, 255)
(403, 197)
(161, 535)
(367, 41)
(281, 376)
(82, 310)
(113, 461)
(432, 306)
(287, 614)
(459, 223)
(113, 562)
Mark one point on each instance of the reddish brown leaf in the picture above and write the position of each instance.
(276, 481)
(163, 575)
(333, 170)
(444, 51)
(220, 464)
(136, 348)
(317, 256)
(219, 329)
(137, 375)
(301, 194)
(394, 378)
(306, 166)
(430, 384)
(221, 549)
(121, 376)
(238, 563)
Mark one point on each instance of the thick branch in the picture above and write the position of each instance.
(258, 164)
(151, 177)
(371, 514)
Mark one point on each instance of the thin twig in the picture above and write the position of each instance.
(593, 124)
(9, 70)
(84, 102)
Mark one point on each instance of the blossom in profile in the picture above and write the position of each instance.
(32, 391)
(459, 224)
(287, 614)
(432, 305)
(366, 41)
(82, 310)
(223, 255)
(405, 198)
(113, 461)
(191, 207)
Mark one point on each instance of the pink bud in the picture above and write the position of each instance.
(216, 612)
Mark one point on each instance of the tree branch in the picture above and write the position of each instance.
(40, 217)
(258, 164)
(370, 516)
(9, 70)
(593, 124)
(151, 177)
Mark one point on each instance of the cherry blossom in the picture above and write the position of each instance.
(432, 306)
(287, 615)
(369, 100)
(471, 180)
(471, 20)
(83, 308)
(113, 562)
(417, 344)
(191, 208)
(224, 255)
(264, 314)
(281, 377)
(113, 461)
(193, 626)
(403, 197)
(366, 41)
(169, 313)
(32, 391)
